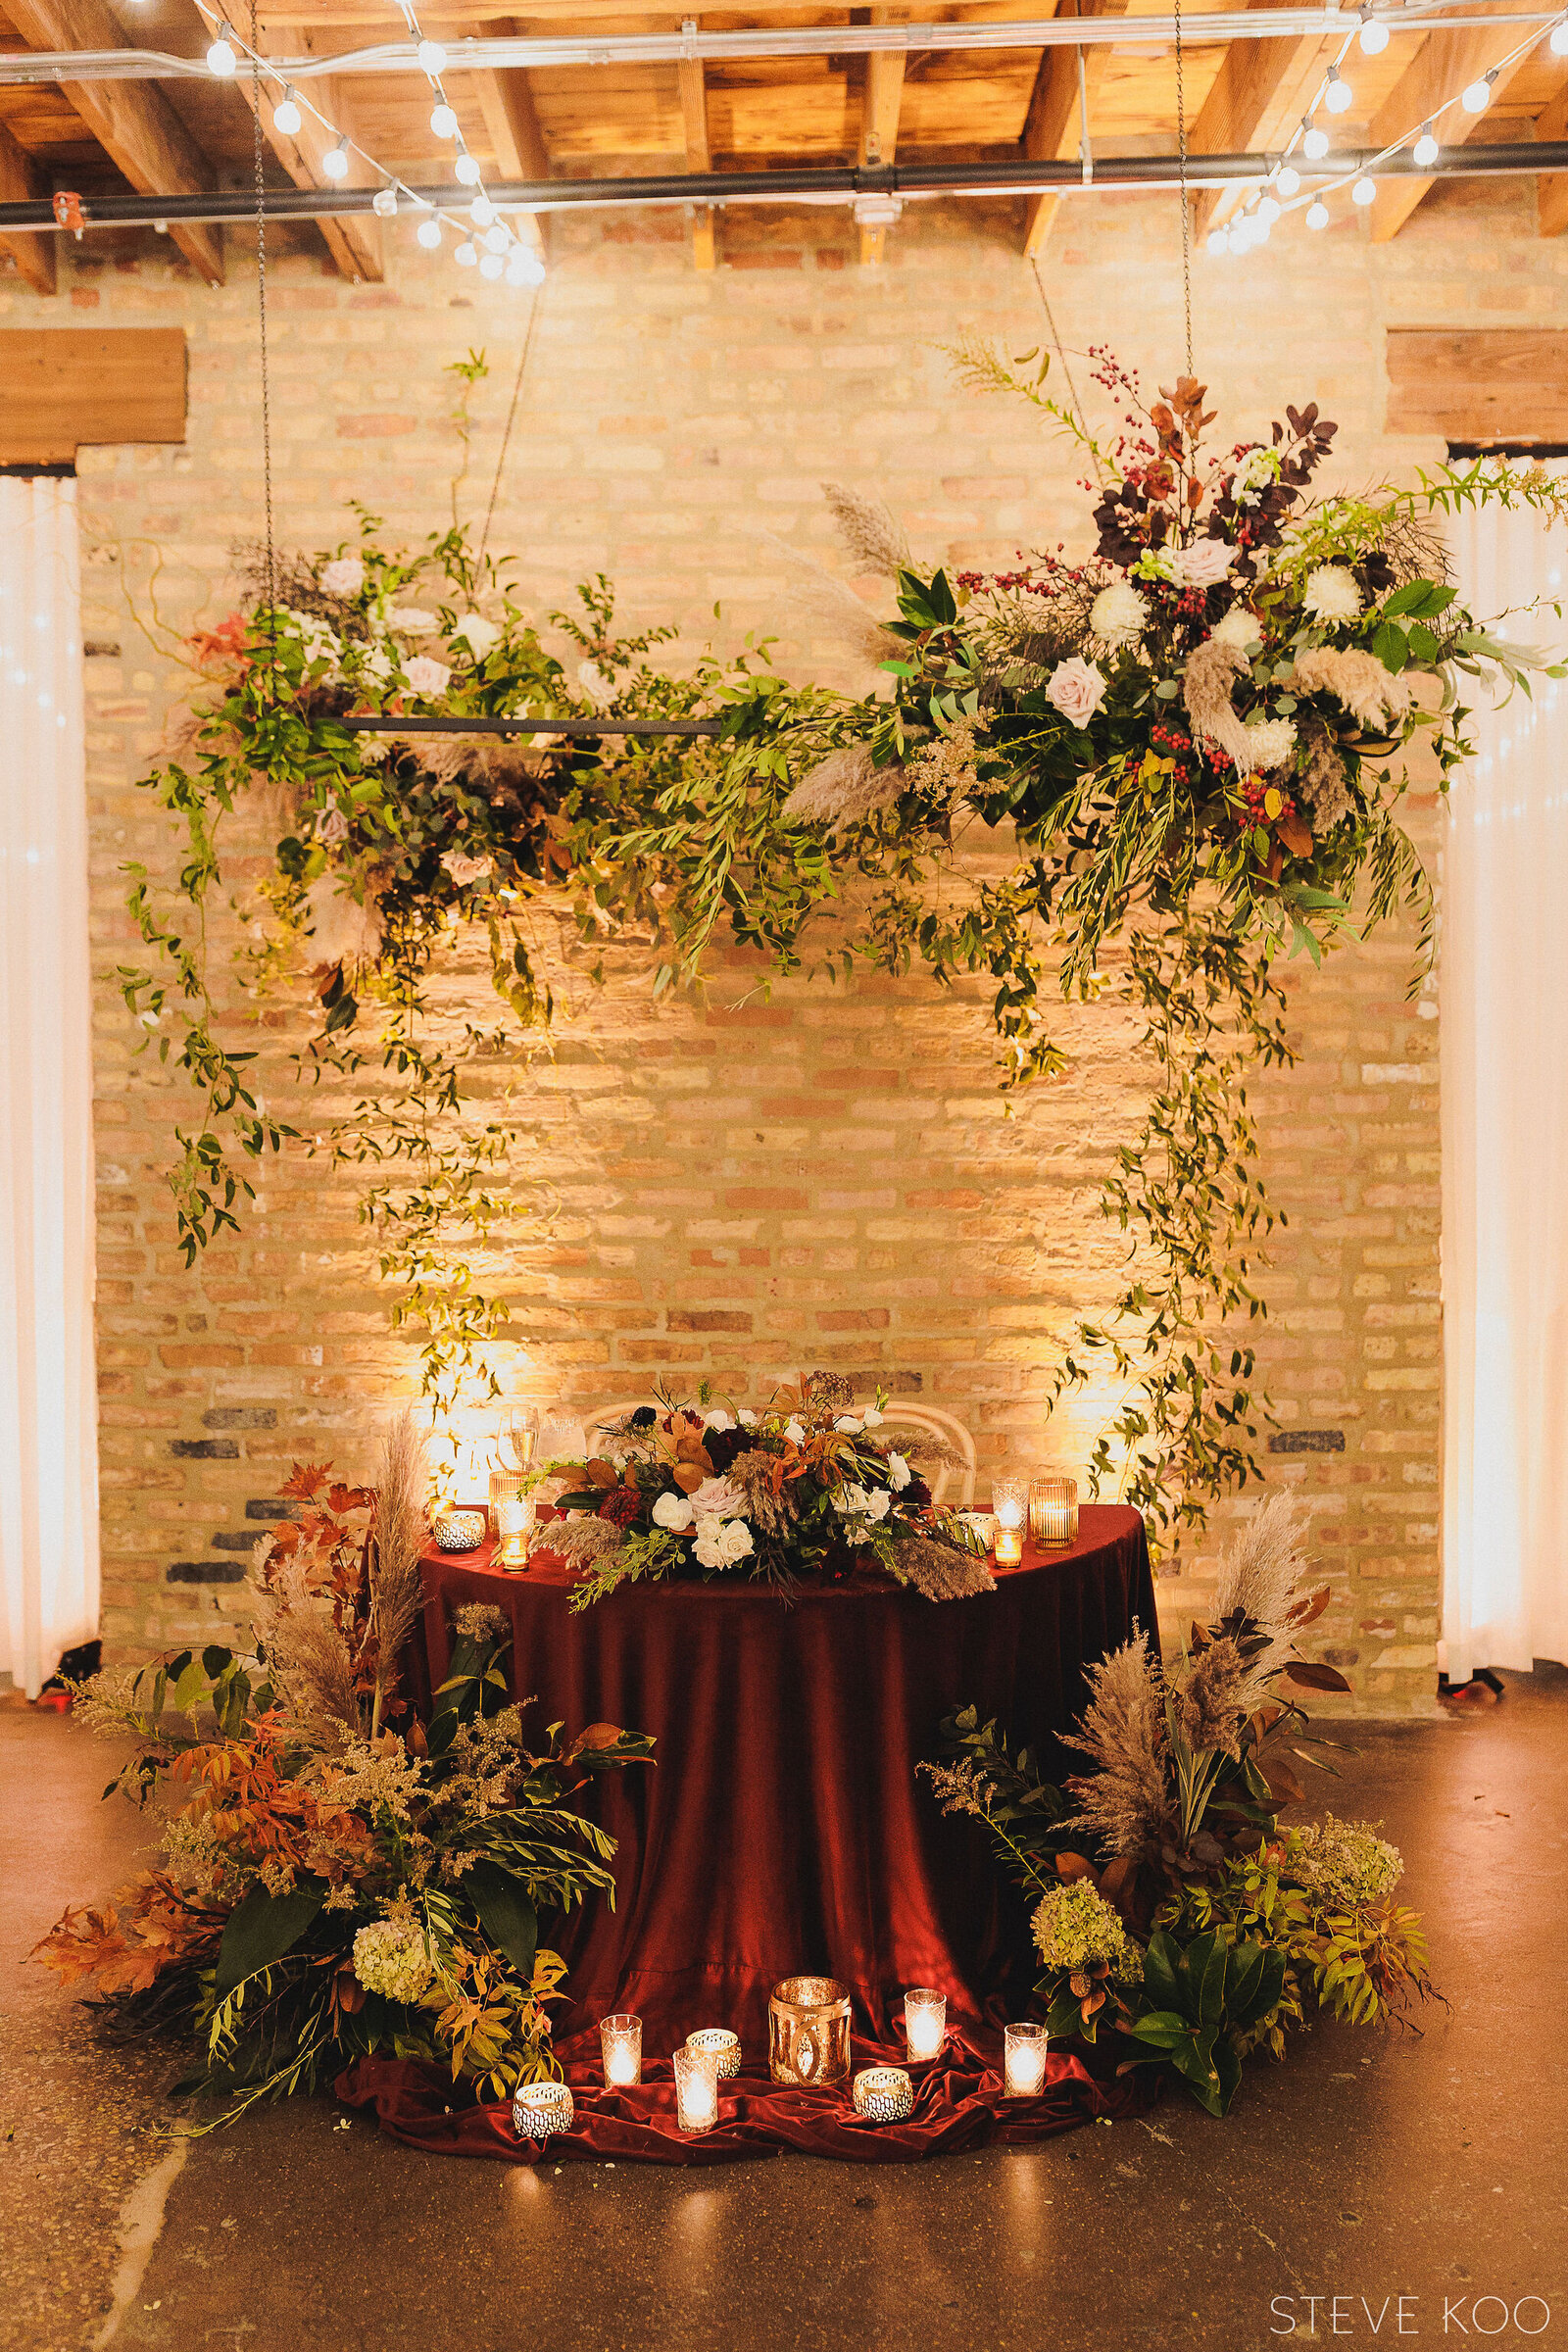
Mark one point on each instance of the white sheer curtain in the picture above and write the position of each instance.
(48, 1410)
(1504, 1075)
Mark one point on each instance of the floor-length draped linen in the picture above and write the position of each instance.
(48, 1417)
(1505, 1082)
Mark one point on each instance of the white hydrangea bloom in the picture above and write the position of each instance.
(343, 578)
(1240, 626)
(1331, 594)
(1118, 615)
(390, 1958)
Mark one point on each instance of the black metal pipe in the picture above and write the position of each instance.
(806, 184)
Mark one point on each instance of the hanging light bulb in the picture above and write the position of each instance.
(491, 265)
(428, 234)
(1260, 228)
(498, 238)
(467, 170)
(1269, 210)
(221, 57)
(1317, 214)
(525, 269)
(1477, 97)
(1338, 97)
(1218, 240)
(1287, 179)
(1315, 145)
(385, 203)
(482, 212)
(286, 115)
(1558, 45)
(1364, 190)
(1374, 36)
(1426, 146)
(466, 255)
(335, 162)
(443, 122)
(433, 57)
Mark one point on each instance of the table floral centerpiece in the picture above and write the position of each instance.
(809, 1487)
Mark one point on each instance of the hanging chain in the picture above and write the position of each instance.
(270, 571)
(506, 438)
(1186, 217)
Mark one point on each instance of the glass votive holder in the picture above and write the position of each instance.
(621, 2043)
(1053, 1510)
(516, 1516)
(883, 2094)
(696, 2090)
(725, 2046)
(1023, 2063)
(808, 2031)
(925, 2025)
(539, 2109)
(1008, 1509)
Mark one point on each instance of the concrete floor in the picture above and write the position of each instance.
(1369, 2168)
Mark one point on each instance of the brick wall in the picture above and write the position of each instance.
(826, 1175)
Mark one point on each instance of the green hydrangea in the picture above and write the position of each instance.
(390, 1958)
(1345, 1863)
(1074, 1927)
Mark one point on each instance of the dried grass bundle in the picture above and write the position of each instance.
(504, 767)
(580, 1541)
(770, 1513)
(397, 1539)
(1262, 1576)
(844, 790)
(821, 598)
(1356, 681)
(307, 1659)
(941, 1571)
(1214, 1694)
(1212, 670)
(873, 535)
(1124, 1803)
(1326, 784)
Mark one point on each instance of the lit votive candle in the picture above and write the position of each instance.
(1007, 1508)
(540, 2108)
(696, 2090)
(620, 2040)
(725, 2046)
(516, 1518)
(1023, 2064)
(1053, 1510)
(883, 2094)
(925, 2023)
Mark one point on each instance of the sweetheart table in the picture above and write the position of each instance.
(781, 1828)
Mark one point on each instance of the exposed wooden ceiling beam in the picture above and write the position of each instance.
(1052, 127)
(693, 81)
(879, 122)
(1552, 189)
(22, 183)
(1445, 63)
(131, 121)
(511, 121)
(1257, 97)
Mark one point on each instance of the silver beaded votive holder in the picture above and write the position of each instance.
(539, 2109)
(725, 2046)
(458, 1531)
(883, 2094)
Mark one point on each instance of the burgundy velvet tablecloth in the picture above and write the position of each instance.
(782, 1828)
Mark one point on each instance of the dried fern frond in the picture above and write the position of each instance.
(873, 535)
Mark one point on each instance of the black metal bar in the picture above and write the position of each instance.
(807, 184)
(386, 723)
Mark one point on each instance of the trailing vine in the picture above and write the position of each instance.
(1196, 739)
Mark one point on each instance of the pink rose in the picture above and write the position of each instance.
(1203, 564)
(1077, 689)
(425, 676)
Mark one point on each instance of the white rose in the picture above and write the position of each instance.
(1271, 741)
(852, 1502)
(850, 1424)
(709, 1544)
(1331, 594)
(1119, 615)
(344, 577)
(462, 869)
(1203, 564)
(872, 1417)
(899, 1473)
(373, 664)
(736, 1542)
(795, 1430)
(1077, 689)
(674, 1511)
(599, 689)
(412, 619)
(717, 1420)
(717, 1499)
(477, 633)
(878, 1504)
(428, 677)
(331, 825)
(746, 1417)
(1240, 626)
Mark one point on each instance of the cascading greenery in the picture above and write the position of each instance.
(1194, 739)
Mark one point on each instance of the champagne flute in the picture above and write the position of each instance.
(520, 1437)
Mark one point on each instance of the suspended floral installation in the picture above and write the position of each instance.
(1198, 738)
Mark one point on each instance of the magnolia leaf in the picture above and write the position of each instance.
(262, 1929)
(1313, 1677)
(689, 1476)
(1308, 1610)
(506, 1913)
(1075, 1866)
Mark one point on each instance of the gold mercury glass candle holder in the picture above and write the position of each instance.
(725, 2046)
(1054, 1511)
(925, 2023)
(884, 2094)
(808, 2030)
(696, 2090)
(1023, 2063)
(539, 2109)
(620, 2043)
(1008, 1509)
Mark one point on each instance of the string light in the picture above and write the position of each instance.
(482, 212)
(1317, 214)
(524, 269)
(428, 234)
(467, 170)
(1315, 143)
(443, 122)
(1364, 190)
(1287, 179)
(1477, 97)
(1269, 210)
(335, 162)
(1338, 97)
(286, 116)
(1218, 240)
(491, 265)
(1558, 45)
(497, 239)
(467, 254)
(1426, 146)
(1374, 36)
(221, 57)
(385, 203)
(432, 59)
